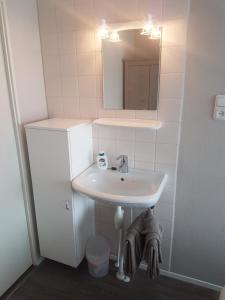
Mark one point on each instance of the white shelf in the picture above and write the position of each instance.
(135, 123)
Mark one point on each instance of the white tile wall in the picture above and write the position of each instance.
(73, 78)
(172, 60)
(171, 85)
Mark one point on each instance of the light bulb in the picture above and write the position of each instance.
(146, 30)
(103, 31)
(114, 37)
(155, 33)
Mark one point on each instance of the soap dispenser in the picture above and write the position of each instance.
(102, 161)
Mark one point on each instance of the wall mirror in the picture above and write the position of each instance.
(130, 71)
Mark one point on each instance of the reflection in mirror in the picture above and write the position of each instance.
(131, 71)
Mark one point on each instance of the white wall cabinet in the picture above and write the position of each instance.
(59, 150)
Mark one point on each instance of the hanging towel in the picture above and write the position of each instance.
(134, 246)
(152, 254)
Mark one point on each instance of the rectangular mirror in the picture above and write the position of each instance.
(131, 71)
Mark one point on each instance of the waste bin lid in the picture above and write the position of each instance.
(97, 249)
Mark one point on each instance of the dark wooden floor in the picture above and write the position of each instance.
(55, 281)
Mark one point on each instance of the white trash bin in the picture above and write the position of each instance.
(97, 254)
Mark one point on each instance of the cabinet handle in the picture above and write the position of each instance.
(67, 205)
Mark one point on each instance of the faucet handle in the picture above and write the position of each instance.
(123, 157)
(120, 157)
(123, 165)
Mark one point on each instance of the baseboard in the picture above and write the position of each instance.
(16, 285)
(113, 257)
(180, 277)
(192, 280)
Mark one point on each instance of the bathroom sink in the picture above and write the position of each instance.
(137, 188)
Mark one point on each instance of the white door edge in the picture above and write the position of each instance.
(28, 201)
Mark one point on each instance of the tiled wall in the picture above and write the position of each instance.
(73, 76)
(22, 21)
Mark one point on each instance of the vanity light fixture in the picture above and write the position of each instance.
(147, 28)
(114, 37)
(151, 29)
(103, 31)
(155, 33)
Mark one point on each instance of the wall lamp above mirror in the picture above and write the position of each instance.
(151, 28)
(131, 60)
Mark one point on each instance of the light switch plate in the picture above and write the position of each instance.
(219, 109)
(219, 113)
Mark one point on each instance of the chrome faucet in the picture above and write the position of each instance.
(123, 166)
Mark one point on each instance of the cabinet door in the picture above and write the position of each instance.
(15, 257)
(50, 170)
(84, 223)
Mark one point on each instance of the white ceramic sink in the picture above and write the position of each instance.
(137, 188)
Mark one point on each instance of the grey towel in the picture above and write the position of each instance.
(143, 241)
(152, 254)
(134, 246)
